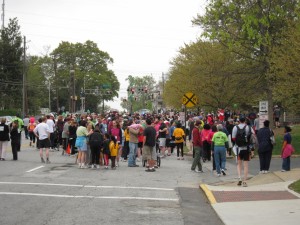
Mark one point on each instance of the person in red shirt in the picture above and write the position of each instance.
(197, 144)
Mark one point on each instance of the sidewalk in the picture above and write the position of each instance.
(266, 200)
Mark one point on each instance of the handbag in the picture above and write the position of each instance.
(272, 138)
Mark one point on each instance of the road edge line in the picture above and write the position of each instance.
(208, 193)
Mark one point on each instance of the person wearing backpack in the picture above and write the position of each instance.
(96, 143)
(30, 129)
(240, 135)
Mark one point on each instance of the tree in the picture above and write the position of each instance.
(212, 72)
(37, 84)
(11, 66)
(285, 64)
(91, 72)
(141, 97)
(250, 28)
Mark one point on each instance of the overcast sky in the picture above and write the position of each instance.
(142, 36)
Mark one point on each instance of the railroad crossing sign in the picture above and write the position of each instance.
(189, 99)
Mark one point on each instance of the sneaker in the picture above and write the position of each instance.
(48, 161)
(42, 160)
(223, 172)
(125, 160)
(261, 172)
(198, 171)
(218, 174)
(266, 171)
(138, 159)
(97, 166)
(239, 183)
(182, 158)
(178, 158)
(244, 184)
(283, 170)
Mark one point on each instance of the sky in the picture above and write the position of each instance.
(142, 36)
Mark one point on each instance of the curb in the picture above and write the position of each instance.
(208, 193)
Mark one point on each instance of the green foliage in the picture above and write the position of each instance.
(251, 29)
(50, 74)
(11, 66)
(140, 99)
(214, 74)
(285, 73)
(295, 186)
(9, 112)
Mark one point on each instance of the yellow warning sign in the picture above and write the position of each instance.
(189, 99)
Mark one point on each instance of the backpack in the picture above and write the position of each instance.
(96, 139)
(31, 127)
(241, 138)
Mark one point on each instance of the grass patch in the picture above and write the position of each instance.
(295, 186)
(279, 133)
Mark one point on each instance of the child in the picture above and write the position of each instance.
(113, 147)
(106, 151)
(287, 150)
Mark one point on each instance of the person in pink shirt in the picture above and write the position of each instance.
(206, 136)
(117, 133)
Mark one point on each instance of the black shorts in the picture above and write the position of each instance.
(44, 143)
(140, 145)
(244, 155)
(168, 140)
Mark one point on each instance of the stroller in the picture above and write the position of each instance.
(158, 160)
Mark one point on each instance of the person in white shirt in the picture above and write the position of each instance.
(42, 132)
(243, 154)
(51, 125)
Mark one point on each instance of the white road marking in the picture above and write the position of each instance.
(35, 169)
(93, 197)
(88, 186)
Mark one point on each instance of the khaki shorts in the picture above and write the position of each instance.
(147, 152)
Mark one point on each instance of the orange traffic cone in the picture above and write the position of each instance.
(68, 150)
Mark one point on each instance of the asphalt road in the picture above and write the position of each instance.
(60, 193)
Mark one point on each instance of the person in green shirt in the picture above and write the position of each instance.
(219, 146)
(20, 128)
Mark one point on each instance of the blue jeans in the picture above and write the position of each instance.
(220, 158)
(132, 153)
(286, 163)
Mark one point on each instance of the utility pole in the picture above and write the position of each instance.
(24, 108)
(72, 89)
(3, 14)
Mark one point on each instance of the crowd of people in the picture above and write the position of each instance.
(102, 140)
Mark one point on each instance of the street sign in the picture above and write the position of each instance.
(263, 107)
(106, 86)
(189, 99)
(263, 112)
